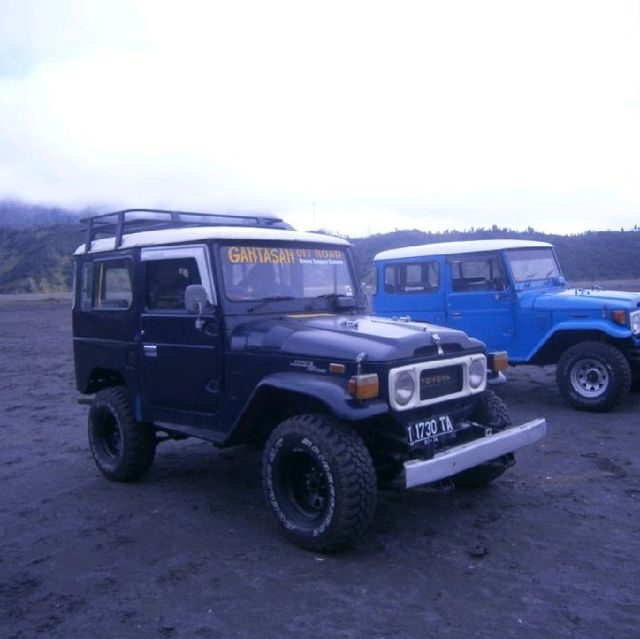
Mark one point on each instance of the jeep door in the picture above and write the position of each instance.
(180, 363)
(412, 288)
(480, 300)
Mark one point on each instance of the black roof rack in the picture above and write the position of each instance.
(118, 223)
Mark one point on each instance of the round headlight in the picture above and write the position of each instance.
(635, 323)
(404, 388)
(476, 373)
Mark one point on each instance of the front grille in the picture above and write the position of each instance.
(436, 382)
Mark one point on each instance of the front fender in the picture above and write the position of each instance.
(329, 391)
(613, 331)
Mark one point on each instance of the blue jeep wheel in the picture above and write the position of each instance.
(593, 376)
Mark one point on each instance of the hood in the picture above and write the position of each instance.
(344, 337)
(585, 298)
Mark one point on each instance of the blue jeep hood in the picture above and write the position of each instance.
(581, 298)
(345, 336)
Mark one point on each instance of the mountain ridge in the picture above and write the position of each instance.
(35, 253)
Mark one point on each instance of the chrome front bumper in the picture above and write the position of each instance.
(455, 460)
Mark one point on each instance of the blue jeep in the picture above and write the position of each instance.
(511, 294)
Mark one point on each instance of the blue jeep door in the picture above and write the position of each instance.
(180, 364)
(480, 300)
(411, 288)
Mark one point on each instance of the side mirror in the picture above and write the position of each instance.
(195, 301)
(195, 298)
(499, 284)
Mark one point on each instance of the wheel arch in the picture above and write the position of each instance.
(556, 344)
(268, 407)
(282, 395)
(101, 378)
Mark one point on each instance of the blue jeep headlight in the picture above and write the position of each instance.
(634, 320)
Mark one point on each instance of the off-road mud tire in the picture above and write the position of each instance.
(319, 481)
(493, 413)
(593, 376)
(122, 448)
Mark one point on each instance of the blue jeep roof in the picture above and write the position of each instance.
(452, 248)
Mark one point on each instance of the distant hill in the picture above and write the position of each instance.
(36, 244)
(14, 214)
(37, 260)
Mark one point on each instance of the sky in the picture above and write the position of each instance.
(357, 117)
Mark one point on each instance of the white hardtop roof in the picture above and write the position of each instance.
(453, 248)
(202, 233)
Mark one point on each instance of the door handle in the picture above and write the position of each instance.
(455, 314)
(150, 350)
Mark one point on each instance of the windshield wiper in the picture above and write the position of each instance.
(271, 298)
(337, 298)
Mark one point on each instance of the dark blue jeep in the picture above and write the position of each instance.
(511, 295)
(240, 330)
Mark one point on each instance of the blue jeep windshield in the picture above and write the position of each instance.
(286, 271)
(529, 264)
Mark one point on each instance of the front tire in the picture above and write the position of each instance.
(493, 413)
(122, 448)
(320, 482)
(593, 376)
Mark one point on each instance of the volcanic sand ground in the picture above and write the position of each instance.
(551, 549)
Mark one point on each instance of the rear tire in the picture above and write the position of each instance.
(122, 448)
(493, 413)
(319, 481)
(593, 376)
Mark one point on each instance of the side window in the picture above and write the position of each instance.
(110, 285)
(166, 281)
(86, 286)
(416, 277)
(474, 273)
(389, 278)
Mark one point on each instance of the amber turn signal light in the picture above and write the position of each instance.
(619, 317)
(498, 361)
(364, 386)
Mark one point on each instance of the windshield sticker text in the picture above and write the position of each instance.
(273, 255)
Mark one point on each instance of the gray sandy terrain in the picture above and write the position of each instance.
(551, 549)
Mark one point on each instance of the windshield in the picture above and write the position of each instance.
(533, 264)
(284, 271)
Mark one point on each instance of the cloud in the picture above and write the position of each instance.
(353, 116)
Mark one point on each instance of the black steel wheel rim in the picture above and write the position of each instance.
(109, 436)
(302, 482)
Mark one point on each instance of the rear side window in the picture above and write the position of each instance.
(86, 286)
(415, 277)
(106, 285)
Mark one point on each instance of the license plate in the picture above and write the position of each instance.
(429, 430)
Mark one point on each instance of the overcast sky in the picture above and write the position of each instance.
(357, 117)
